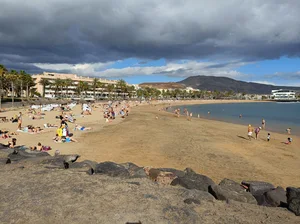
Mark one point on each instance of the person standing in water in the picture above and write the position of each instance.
(263, 123)
(288, 130)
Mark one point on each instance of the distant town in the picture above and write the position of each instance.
(51, 85)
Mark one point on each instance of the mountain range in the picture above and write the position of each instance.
(212, 83)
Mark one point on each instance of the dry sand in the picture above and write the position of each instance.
(216, 149)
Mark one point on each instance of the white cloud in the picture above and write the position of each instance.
(265, 82)
(189, 68)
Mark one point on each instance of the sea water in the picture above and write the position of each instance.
(278, 116)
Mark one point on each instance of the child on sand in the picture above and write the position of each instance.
(288, 130)
(268, 137)
(289, 141)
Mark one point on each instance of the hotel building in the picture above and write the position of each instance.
(283, 94)
(71, 91)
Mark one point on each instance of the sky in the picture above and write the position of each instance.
(154, 40)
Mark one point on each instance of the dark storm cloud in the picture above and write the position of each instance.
(75, 31)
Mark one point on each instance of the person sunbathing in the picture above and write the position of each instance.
(68, 139)
(38, 117)
(81, 128)
(48, 125)
(12, 144)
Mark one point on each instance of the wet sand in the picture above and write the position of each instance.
(216, 149)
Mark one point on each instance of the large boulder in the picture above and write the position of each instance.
(192, 180)
(18, 155)
(258, 189)
(60, 161)
(134, 170)
(178, 173)
(293, 200)
(276, 197)
(225, 193)
(112, 169)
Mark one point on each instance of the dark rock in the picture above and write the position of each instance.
(56, 161)
(293, 200)
(258, 189)
(91, 171)
(276, 197)
(225, 193)
(134, 170)
(18, 155)
(191, 200)
(192, 180)
(177, 173)
(70, 158)
(234, 186)
(112, 169)
(91, 163)
(196, 194)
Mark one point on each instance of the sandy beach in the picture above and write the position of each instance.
(216, 149)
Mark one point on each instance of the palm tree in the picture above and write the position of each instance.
(3, 71)
(62, 86)
(123, 87)
(44, 83)
(131, 90)
(82, 87)
(95, 85)
(29, 83)
(68, 83)
(12, 79)
(110, 88)
(57, 85)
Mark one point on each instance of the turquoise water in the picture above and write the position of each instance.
(278, 116)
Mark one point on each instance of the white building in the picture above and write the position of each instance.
(282, 94)
(51, 91)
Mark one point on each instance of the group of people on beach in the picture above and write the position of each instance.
(263, 126)
(63, 133)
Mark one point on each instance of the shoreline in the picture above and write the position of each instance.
(213, 148)
(269, 128)
(146, 141)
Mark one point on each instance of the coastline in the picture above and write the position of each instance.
(213, 148)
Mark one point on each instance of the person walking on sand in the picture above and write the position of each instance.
(250, 131)
(263, 123)
(191, 115)
(20, 121)
(288, 130)
(257, 130)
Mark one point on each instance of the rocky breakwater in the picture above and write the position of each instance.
(126, 193)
